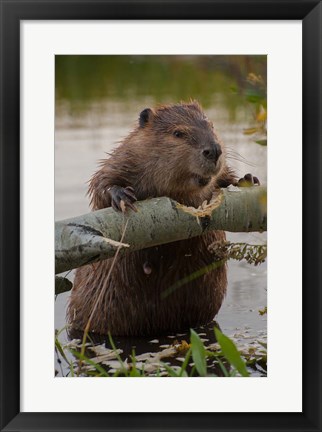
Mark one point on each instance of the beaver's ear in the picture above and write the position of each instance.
(145, 116)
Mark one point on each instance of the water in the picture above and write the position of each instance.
(89, 126)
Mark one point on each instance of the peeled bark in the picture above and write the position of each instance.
(97, 235)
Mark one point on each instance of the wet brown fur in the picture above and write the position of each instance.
(155, 162)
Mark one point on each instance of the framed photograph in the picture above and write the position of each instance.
(221, 90)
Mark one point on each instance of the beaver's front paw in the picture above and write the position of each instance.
(247, 181)
(121, 198)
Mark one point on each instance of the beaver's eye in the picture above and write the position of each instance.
(178, 134)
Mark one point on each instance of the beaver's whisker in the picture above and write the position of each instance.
(232, 154)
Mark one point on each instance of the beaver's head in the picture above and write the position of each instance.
(183, 144)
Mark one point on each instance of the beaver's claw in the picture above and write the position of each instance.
(122, 198)
(247, 181)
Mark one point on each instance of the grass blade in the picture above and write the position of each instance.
(231, 353)
(198, 353)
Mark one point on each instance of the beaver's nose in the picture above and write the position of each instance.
(212, 153)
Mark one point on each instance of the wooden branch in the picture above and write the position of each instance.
(96, 235)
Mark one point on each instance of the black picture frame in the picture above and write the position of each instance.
(12, 12)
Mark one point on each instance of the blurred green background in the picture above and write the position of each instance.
(161, 79)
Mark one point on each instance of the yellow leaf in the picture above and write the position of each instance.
(262, 114)
(184, 346)
(250, 131)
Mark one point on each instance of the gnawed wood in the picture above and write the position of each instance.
(96, 235)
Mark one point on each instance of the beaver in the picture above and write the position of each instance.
(173, 151)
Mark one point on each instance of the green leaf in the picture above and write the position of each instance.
(185, 363)
(198, 353)
(61, 351)
(123, 367)
(223, 368)
(171, 372)
(231, 353)
(135, 372)
(262, 142)
(255, 96)
(90, 362)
